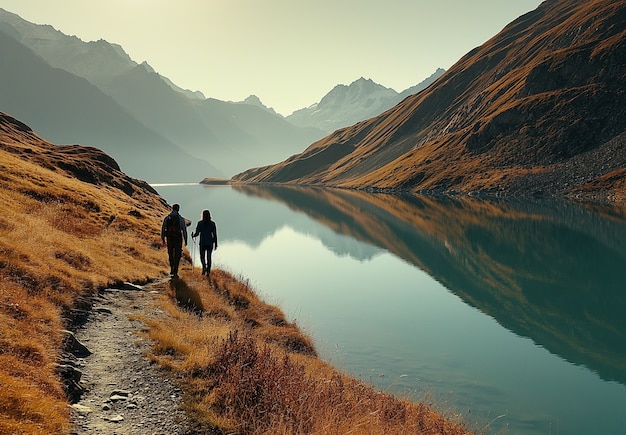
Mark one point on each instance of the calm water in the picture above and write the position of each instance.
(510, 314)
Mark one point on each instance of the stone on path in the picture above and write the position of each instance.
(74, 346)
(81, 409)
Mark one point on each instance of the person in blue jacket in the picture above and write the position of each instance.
(207, 230)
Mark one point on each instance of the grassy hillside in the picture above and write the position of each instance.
(247, 370)
(72, 223)
(537, 109)
(60, 239)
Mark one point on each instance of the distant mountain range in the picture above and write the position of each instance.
(347, 105)
(69, 110)
(93, 93)
(539, 109)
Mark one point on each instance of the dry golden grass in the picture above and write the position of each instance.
(245, 369)
(60, 240)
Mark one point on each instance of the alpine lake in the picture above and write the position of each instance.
(507, 314)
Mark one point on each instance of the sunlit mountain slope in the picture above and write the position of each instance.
(538, 109)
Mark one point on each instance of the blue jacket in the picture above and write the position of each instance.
(208, 233)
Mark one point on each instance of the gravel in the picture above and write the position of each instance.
(123, 391)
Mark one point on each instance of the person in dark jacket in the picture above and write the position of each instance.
(207, 230)
(174, 230)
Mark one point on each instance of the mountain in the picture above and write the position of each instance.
(96, 61)
(242, 136)
(253, 100)
(421, 85)
(254, 133)
(539, 109)
(347, 105)
(154, 103)
(194, 95)
(231, 136)
(67, 109)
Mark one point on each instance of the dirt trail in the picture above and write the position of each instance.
(125, 393)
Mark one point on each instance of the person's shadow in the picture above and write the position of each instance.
(186, 297)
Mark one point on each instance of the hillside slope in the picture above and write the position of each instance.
(538, 109)
(231, 136)
(71, 222)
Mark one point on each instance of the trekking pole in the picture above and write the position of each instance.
(193, 254)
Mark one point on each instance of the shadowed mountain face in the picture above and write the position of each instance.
(67, 109)
(537, 109)
(546, 270)
(225, 137)
(231, 136)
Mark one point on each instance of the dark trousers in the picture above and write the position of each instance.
(205, 257)
(174, 252)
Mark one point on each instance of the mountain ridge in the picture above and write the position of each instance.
(507, 118)
(169, 111)
(345, 105)
(67, 109)
(230, 141)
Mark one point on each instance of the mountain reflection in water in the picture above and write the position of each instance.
(550, 271)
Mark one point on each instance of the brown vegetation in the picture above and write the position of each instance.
(247, 370)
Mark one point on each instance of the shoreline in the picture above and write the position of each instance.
(227, 309)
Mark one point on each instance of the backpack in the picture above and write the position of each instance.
(172, 226)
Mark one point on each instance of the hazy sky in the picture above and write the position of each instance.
(289, 53)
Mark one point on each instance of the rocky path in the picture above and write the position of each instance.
(125, 393)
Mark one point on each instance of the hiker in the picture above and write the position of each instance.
(175, 230)
(208, 240)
